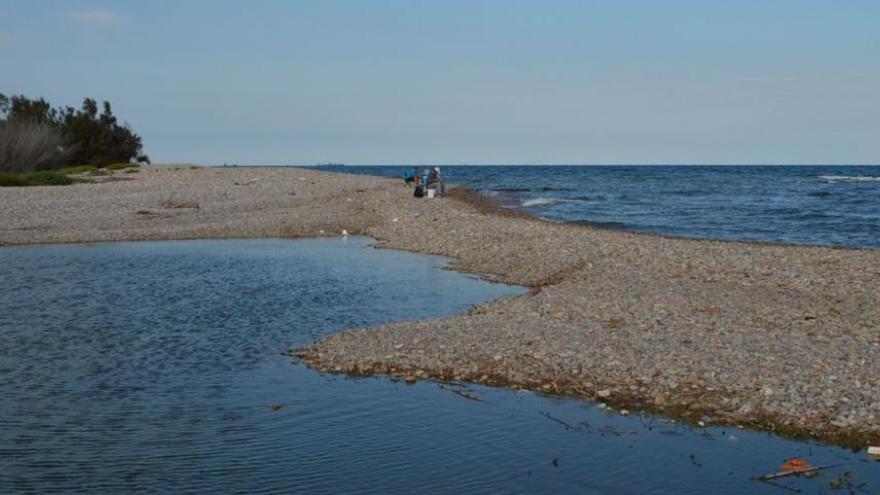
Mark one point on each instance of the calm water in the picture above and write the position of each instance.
(801, 205)
(151, 367)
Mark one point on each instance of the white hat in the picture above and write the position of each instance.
(436, 169)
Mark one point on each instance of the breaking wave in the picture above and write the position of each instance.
(552, 201)
(540, 202)
(850, 178)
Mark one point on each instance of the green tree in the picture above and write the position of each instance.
(88, 137)
(20, 108)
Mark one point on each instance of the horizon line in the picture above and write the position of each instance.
(446, 164)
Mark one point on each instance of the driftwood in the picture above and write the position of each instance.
(792, 472)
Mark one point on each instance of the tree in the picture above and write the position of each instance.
(21, 108)
(98, 138)
(88, 137)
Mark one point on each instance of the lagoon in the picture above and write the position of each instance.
(161, 367)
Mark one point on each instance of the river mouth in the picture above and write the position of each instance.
(159, 367)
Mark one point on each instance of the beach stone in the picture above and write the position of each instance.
(722, 321)
(604, 393)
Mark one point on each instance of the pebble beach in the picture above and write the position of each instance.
(775, 337)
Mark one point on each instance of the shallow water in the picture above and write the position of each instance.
(152, 367)
(831, 205)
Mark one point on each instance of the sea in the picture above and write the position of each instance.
(813, 205)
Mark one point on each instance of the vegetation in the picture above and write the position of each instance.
(79, 169)
(34, 136)
(9, 180)
(41, 178)
(28, 145)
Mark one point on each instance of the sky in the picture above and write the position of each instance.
(463, 82)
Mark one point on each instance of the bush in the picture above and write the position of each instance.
(41, 178)
(119, 166)
(26, 146)
(47, 178)
(9, 180)
(79, 169)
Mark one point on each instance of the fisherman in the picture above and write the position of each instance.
(409, 177)
(421, 182)
(435, 180)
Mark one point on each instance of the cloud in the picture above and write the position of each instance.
(97, 17)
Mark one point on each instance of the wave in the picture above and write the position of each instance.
(688, 192)
(585, 199)
(540, 202)
(510, 189)
(552, 201)
(531, 189)
(552, 189)
(850, 178)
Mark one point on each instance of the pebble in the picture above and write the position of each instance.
(672, 315)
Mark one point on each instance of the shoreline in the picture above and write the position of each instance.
(783, 338)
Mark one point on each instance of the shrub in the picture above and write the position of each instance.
(119, 166)
(41, 178)
(79, 169)
(98, 137)
(9, 180)
(26, 146)
(47, 178)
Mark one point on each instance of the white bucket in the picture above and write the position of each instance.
(432, 192)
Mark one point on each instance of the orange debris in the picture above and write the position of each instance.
(795, 465)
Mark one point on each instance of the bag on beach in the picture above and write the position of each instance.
(419, 192)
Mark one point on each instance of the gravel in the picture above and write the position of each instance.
(782, 338)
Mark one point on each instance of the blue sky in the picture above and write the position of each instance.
(360, 82)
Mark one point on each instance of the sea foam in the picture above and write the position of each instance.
(850, 178)
(540, 202)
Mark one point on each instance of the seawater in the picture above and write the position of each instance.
(158, 367)
(830, 205)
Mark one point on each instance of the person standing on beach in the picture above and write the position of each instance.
(435, 180)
